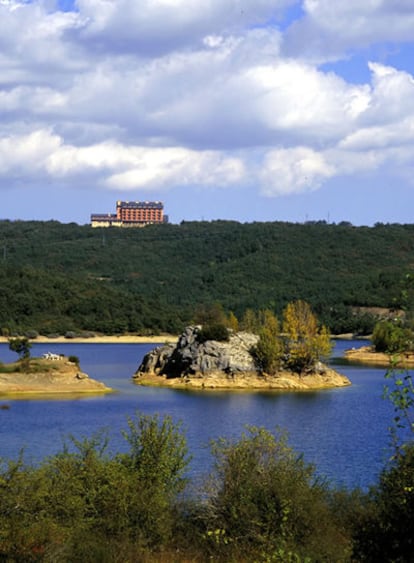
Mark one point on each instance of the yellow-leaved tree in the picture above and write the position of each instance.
(307, 342)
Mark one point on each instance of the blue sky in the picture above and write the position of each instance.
(249, 110)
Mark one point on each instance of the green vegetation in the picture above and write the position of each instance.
(262, 502)
(74, 360)
(65, 278)
(216, 331)
(21, 346)
(269, 350)
(384, 529)
(266, 500)
(392, 337)
(307, 342)
(301, 343)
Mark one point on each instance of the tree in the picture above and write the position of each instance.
(306, 341)
(232, 322)
(269, 349)
(157, 461)
(21, 346)
(249, 321)
(391, 337)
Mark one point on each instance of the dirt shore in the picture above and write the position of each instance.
(284, 381)
(366, 355)
(124, 339)
(47, 377)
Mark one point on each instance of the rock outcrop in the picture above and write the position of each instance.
(191, 363)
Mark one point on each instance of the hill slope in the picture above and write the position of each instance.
(57, 277)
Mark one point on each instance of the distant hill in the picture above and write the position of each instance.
(58, 277)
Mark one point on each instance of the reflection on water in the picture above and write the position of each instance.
(343, 431)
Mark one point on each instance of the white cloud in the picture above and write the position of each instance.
(330, 29)
(117, 95)
(296, 170)
(153, 27)
(114, 165)
(23, 155)
(392, 94)
(177, 167)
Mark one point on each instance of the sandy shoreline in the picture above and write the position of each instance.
(124, 339)
(366, 355)
(48, 377)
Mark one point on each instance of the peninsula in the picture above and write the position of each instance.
(43, 376)
(191, 364)
(368, 355)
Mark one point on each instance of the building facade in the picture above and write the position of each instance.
(131, 214)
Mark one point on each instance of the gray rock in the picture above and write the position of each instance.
(189, 357)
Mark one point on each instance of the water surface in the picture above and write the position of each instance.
(344, 432)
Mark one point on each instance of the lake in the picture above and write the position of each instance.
(344, 432)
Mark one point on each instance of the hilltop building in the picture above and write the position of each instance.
(131, 214)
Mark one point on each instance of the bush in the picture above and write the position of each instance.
(265, 499)
(386, 530)
(84, 504)
(215, 331)
(70, 334)
(269, 348)
(391, 337)
(32, 334)
(74, 360)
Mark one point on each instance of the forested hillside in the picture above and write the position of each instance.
(64, 277)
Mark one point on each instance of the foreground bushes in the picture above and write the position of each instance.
(262, 502)
(266, 500)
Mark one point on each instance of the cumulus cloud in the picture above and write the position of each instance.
(331, 29)
(154, 27)
(205, 95)
(296, 170)
(116, 166)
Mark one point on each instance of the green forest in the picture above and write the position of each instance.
(60, 278)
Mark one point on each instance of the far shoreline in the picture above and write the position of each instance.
(131, 339)
(122, 339)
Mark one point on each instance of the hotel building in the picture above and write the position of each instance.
(131, 214)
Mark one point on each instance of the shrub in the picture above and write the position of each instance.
(83, 499)
(215, 331)
(157, 461)
(32, 334)
(391, 337)
(269, 349)
(70, 334)
(386, 530)
(74, 360)
(265, 499)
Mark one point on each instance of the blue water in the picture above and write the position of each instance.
(344, 432)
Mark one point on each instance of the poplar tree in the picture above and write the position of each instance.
(306, 341)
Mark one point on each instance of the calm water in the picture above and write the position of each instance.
(344, 432)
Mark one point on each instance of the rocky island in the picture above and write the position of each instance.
(194, 364)
(44, 376)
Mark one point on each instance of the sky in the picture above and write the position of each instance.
(246, 110)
